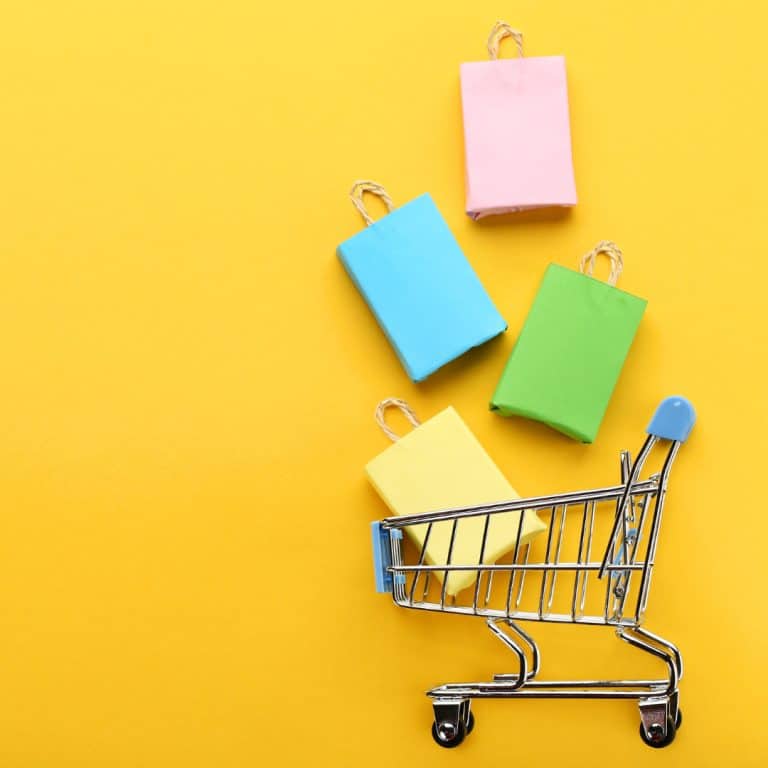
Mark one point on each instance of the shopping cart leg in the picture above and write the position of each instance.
(660, 714)
(525, 674)
(674, 652)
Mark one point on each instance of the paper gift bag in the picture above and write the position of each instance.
(517, 134)
(564, 366)
(425, 295)
(440, 465)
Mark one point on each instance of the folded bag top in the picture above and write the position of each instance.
(563, 369)
(439, 465)
(417, 282)
(517, 134)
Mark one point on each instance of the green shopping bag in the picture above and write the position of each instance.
(567, 359)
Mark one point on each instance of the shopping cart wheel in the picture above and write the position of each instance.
(453, 721)
(657, 739)
(448, 735)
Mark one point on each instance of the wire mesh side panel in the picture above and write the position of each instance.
(552, 577)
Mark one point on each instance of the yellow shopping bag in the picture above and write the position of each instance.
(441, 465)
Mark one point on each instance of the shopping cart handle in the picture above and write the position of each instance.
(673, 420)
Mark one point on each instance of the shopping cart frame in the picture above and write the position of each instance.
(639, 505)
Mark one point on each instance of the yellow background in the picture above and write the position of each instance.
(189, 376)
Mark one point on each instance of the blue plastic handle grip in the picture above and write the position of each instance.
(382, 556)
(673, 420)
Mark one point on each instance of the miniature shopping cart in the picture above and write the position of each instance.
(554, 578)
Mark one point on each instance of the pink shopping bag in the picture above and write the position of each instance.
(517, 132)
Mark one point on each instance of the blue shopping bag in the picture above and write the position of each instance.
(419, 285)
